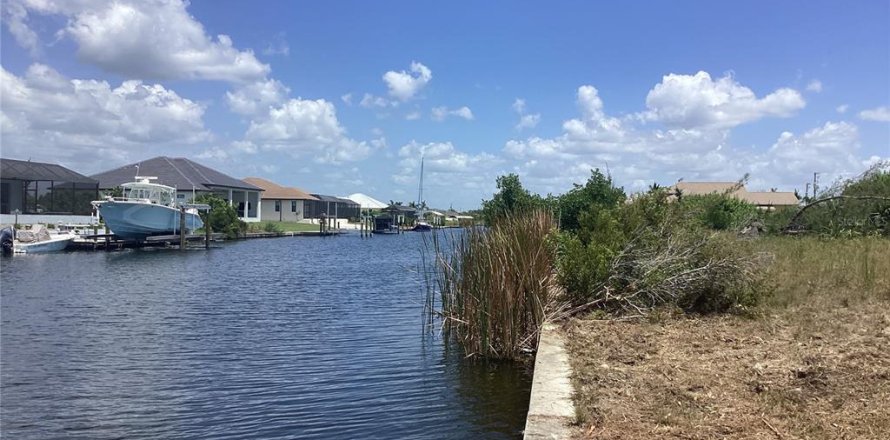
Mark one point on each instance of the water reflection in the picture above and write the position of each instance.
(279, 338)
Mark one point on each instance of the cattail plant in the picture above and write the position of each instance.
(494, 285)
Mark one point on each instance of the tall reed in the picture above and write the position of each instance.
(495, 284)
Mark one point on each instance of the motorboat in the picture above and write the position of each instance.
(421, 226)
(37, 239)
(146, 209)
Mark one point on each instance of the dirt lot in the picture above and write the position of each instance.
(813, 364)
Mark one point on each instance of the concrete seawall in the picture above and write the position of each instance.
(551, 411)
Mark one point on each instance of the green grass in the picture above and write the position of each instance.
(285, 226)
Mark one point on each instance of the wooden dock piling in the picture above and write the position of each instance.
(182, 228)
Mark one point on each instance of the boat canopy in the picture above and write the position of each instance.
(153, 192)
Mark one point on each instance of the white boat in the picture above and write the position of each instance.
(56, 243)
(145, 210)
(36, 240)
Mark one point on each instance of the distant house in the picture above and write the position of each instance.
(454, 216)
(402, 213)
(436, 218)
(189, 178)
(280, 203)
(766, 200)
(331, 207)
(44, 193)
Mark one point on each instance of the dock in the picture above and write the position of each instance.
(103, 242)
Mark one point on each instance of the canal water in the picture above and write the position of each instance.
(274, 338)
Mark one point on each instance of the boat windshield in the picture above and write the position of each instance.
(158, 194)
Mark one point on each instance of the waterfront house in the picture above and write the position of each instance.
(280, 203)
(37, 192)
(401, 214)
(190, 179)
(435, 218)
(331, 207)
(766, 200)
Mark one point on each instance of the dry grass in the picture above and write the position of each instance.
(826, 273)
(814, 363)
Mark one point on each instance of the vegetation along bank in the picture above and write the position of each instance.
(687, 315)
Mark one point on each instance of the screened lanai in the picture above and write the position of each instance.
(42, 188)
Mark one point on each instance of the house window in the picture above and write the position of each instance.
(293, 206)
(278, 206)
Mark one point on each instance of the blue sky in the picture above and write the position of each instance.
(344, 97)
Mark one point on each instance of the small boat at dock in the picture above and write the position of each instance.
(146, 209)
(35, 240)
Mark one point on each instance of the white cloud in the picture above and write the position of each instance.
(440, 113)
(534, 147)
(306, 127)
(347, 99)
(15, 16)
(879, 114)
(519, 106)
(634, 153)
(370, 101)
(404, 85)
(814, 86)
(49, 116)
(594, 131)
(155, 39)
(413, 116)
(525, 121)
(446, 169)
(270, 168)
(842, 108)
(277, 47)
(244, 146)
(827, 149)
(257, 97)
(697, 101)
(214, 153)
(528, 121)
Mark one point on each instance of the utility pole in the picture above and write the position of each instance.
(806, 194)
(815, 185)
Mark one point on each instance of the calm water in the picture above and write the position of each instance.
(274, 338)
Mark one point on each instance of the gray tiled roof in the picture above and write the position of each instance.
(177, 172)
(27, 170)
(334, 199)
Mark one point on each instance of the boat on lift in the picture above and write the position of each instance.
(146, 209)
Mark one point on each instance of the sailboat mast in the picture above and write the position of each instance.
(420, 189)
(420, 193)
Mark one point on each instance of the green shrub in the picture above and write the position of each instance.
(511, 200)
(585, 257)
(221, 217)
(598, 191)
(719, 211)
(271, 227)
(854, 207)
(653, 252)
